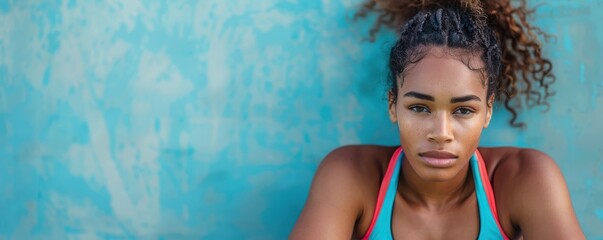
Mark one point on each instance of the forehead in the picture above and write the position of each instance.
(446, 70)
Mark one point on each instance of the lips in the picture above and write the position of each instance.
(437, 154)
(438, 158)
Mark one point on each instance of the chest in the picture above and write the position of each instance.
(409, 222)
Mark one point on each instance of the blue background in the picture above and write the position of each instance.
(207, 119)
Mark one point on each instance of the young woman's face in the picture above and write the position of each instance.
(441, 110)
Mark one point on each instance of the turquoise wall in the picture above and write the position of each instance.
(207, 119)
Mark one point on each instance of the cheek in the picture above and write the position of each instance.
(411, 130)
(469, 130)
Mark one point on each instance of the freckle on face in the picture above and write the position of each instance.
(452, 79)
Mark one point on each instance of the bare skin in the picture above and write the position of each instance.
(443, 110)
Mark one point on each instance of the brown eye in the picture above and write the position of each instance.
(418, 109)
(463, 111)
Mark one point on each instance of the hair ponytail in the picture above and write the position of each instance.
(525, 77)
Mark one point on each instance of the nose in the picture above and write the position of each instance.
(441, 129)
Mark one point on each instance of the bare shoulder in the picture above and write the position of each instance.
(508, 163)
(514, 170)
(521, 172)
(341, 192)
(358, 159)
(531, 194)
(358, 168)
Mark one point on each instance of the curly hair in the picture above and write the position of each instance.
(491, 25)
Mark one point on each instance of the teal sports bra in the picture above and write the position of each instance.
(380, 227)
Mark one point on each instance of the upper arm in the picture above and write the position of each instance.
(542, 208)
(334, 202)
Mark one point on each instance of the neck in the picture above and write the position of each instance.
(435, 195)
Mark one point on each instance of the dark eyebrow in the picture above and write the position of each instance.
(419, 96)
(465, 99)
(453, 100)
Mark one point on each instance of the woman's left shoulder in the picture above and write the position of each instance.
(531, 194)
(509, 163)
(522, 175)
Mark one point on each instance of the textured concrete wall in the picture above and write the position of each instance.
(207, 119)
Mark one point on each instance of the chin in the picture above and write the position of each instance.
(437, 175)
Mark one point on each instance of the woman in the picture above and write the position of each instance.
(451, 62)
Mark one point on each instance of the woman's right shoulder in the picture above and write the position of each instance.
(369, 161)
(343, 193)
(359, 170)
